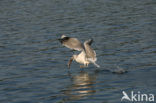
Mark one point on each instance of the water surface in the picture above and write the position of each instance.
(33, 64)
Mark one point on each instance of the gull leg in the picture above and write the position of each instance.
(70, 61)
(87, 64)
(82, 66)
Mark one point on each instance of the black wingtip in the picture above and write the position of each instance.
(64, 39)
(90, 41)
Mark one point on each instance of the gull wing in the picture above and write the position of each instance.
(72, 43)
(90, 53)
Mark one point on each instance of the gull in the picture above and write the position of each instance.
(87, 54)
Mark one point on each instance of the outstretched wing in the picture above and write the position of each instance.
(72, 43)
(90, 53)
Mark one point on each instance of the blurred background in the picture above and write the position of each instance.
(33, 64)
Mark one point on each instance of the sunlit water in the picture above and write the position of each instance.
(33, 64)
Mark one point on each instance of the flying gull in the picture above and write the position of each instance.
(87, 54)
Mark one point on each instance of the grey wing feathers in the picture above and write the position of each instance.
(73, 43)
(90, 53)
(89, 42)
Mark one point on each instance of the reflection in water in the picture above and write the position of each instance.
(82, 86)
